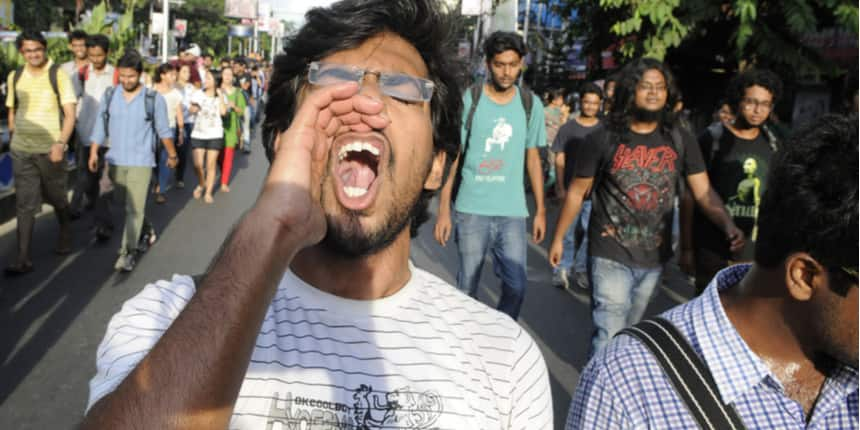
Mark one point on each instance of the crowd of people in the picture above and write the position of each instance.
(132, 130)
(366, 121)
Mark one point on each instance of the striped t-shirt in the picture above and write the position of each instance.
(37, 117)
(427, 357)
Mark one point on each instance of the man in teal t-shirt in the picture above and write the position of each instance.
(490, 208)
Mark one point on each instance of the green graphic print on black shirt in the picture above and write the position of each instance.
(737, 170)
(634, 194)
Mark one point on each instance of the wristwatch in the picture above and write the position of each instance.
(65, 145)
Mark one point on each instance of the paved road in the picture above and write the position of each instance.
(52, 320)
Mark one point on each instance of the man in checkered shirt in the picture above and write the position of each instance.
(780, 335)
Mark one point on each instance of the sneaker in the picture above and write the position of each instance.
(147, 239)
(103, 234)
(580, 279)
(160, 198)
(180, 185)
(125, 263)
(559, 279)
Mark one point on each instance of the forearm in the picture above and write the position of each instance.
(68, 124)
(169, 146)
(559, 171)
(572, 206)
(712, 206)
(192, 376)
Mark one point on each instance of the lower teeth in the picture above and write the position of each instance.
(354, 191)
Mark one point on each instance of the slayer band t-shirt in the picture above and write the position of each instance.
(737, 168)
(634, 193)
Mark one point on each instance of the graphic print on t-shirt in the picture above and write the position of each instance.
(494, 145)
(646, 176)
(370, 409)
(743, 206)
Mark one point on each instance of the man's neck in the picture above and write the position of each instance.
(366, 278)
(643, 127)
(500, 97)
(586, 121)
(131, 94)
(35, 70)
(744, 131)
(81, 63)
(765, 318)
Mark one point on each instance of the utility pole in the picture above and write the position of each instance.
(164, 41)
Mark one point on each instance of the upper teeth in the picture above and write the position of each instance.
(356, 147)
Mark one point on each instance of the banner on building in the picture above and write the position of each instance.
(180, 28)
(240, 9)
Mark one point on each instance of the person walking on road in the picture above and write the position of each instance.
(41, 103)
(503, 127)
(97, 77)
(133, 116)
(165, 84)
(568, 140)
(207, 138)
(634, 168)
(184, 147)
(234, 100)
(737, 156)
(331, 311)
(774, 343)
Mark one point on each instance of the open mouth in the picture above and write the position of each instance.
(356, 170)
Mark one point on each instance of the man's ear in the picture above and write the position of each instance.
(803, 275)
(434, 179)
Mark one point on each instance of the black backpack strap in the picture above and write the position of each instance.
(772, 140)
(691, 378)
(528, 101)
(15, 78)
(149, 107)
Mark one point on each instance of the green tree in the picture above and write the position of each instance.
(207, 25)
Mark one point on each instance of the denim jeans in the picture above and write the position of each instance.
(163, 171)
(575, 255)
(505, 239)
(619, 296)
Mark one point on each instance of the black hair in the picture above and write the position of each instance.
(502, 41)
(225, 59)
(590, 88)
(31, 35)
(240, 60)
(624, 99)
(162, 69)
(761, 77)
(131, 59)
(348, 24)
(810, 203)
(554, 93)
(99, 40)
(78, 35)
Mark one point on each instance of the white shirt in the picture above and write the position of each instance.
(209, 124)
(173, 99)
(88, 105)
(427, 357)
(187, 91)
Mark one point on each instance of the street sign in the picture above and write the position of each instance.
(180, 26)
(156, 25)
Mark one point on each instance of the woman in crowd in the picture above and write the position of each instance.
(184, 85)
(235, 101)
(165, 84)
(207, 137)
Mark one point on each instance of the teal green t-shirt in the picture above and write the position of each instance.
(494, 165)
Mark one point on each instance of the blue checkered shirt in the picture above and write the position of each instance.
(624, 387)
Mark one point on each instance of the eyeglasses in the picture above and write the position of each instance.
(397, 85)
(649, 87)
(751, 104)
(850, 271)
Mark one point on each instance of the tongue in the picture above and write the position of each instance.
(354, 174)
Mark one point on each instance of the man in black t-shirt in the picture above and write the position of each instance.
(569, 137)
(635, 165)
(737, 156)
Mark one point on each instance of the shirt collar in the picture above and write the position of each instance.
(734, 366)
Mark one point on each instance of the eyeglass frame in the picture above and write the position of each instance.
(752, 104)
(426, 86)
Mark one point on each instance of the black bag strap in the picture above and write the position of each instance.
(691, 378)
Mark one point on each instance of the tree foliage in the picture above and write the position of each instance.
(735, 33)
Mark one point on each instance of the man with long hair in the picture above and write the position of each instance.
(331, 324)
(634, 169)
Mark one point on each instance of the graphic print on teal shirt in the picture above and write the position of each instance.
(493, 169)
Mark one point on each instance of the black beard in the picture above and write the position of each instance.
(741, 123)
(645, 115)
(498, 88)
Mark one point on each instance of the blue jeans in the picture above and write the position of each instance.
(576, 255)
(164, 172)
(505, 238)
(619, 296)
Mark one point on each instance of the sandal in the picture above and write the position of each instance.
(18, 269)
(198, 191)
(208, 199)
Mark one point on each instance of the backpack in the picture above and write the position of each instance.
(526, 97)
(148, 105)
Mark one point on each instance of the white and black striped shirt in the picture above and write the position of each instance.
(427, 357)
